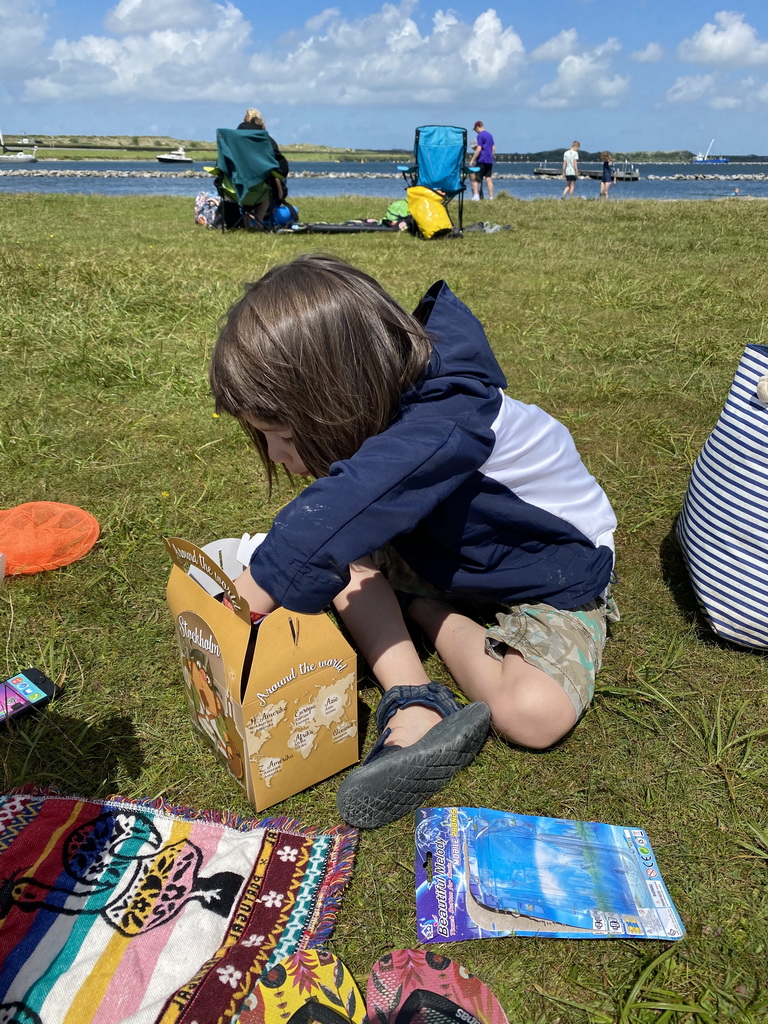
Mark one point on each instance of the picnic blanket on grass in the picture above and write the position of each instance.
(143, 913)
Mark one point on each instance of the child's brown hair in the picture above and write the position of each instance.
(318, 347)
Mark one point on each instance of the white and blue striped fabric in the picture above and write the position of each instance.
(723, 526)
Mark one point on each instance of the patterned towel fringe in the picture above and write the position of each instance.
(336, 881)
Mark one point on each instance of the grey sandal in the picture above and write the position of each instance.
(396, 780)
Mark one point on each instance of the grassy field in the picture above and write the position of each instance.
(626, 322)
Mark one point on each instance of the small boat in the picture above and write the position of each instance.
(705, 158)
(176, 156)
(17, 157)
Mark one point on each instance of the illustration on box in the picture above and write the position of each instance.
(268, 696)
(482, 874)
(203, 673)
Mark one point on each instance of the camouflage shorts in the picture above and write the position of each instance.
(567, 645)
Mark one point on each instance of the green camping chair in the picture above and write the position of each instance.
(247, 178)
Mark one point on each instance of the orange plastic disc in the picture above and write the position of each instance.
(42, 535)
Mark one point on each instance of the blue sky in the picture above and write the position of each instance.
(643, 74)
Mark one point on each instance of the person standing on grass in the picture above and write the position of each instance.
(482, 158)
(608, 176)
(435, 499)
(570, 169)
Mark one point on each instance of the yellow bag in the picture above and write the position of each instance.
(428, 212)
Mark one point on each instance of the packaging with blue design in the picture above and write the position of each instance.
(277, 701)
(482, 874)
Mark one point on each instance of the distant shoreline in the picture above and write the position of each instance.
(124, 147)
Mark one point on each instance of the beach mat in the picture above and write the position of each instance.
(116, 911)
(343, 228)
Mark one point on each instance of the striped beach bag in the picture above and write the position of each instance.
(723, 526)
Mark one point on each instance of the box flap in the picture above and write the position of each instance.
(186, 555)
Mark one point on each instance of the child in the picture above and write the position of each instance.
(570, 169)
(426, 471)
(608, 176)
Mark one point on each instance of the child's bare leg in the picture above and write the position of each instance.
(528, 706)
(372, 615)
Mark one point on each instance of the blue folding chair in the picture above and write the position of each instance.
(440, 164)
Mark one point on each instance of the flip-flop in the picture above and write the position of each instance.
(308, 987)
(410, 986)
(394, 780)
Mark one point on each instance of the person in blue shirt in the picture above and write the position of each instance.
(483, 157)
(437, 500)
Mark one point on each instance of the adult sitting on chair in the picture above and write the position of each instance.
(253, 119)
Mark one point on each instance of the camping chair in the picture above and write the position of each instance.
(440, 157)
(247, 178)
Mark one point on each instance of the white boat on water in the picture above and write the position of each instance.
(705, 158)
(176, 156)
(17, 157)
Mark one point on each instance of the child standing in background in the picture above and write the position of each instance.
(608, 176)
(434, 497)
(570, 169)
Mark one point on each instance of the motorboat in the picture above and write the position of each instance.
(17, 157)
(705, 158)
(176, 156)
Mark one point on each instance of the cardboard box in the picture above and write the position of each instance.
(278, 702)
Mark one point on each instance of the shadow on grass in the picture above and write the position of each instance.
(678, 581)
(62, 752)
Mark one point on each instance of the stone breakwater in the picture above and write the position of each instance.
(707, 177)
(41, 172)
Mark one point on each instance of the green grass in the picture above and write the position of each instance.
(626, 321)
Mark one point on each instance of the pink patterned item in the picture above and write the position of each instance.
(410, 986)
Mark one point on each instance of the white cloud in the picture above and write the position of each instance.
(730, 42)
(690, 88)
(726, 102)
(584, 78)
(383, 58)
(163, 63)
(22, 30)
(143, 16)
(316, 23)
(650, 54)
(558, 46)
(200, 50)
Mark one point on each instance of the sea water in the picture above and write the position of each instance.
(379, 180)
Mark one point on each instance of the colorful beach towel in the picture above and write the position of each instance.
(120, 912)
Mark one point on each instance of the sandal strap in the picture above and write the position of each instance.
(432, 695)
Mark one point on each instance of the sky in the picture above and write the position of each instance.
(638, 75)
